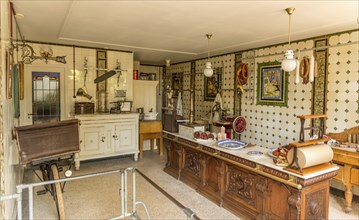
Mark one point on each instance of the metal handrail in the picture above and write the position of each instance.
(123, 192)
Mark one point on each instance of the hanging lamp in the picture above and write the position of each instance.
(208, 71)
(289, 63)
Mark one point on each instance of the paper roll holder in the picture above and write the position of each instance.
(294, 165)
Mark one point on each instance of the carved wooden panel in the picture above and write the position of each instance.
(191, 171)
(277, 201)
(192, 162)
(315, 205)
(173, 158)
(211, 180)
(208, 149)
(275, 173)
(240, 183)
(187, 142)
(238, 159)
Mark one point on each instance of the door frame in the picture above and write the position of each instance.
(26, 103)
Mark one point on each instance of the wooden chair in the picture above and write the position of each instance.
(348, 162)
(151, 130)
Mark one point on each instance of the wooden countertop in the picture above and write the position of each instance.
(263, 159)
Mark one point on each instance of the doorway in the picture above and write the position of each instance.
(45, 97)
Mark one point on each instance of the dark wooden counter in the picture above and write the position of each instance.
(249, 189)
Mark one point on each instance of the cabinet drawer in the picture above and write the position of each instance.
(346, 157)
(354, 176)
(340, 175)
(150, 126)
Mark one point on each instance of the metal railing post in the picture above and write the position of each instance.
(133, 191)
(19, 202)
(122, 195)
(31, 203)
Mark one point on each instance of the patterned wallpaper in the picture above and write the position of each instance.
(343, 82)
(203, 107)
(185, 70)
(273, 126)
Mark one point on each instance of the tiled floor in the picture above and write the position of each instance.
(98, 197)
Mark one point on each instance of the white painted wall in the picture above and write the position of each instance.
(10, 172)
(159, 87)
(67, 77)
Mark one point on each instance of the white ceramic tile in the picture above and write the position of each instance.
(354, 36)
(334, 40)
(309, 44)
(344, 38)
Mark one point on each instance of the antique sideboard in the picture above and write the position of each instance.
(250, 186)
(348, 162)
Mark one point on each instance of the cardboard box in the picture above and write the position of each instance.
(187, 130)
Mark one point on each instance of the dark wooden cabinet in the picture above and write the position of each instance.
(249, 190)
(173, 157)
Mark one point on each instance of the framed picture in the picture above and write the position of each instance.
(272, 85)
(177, 83)
(212, 85)
(126, 106)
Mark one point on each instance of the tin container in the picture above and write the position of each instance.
(84, 108)
(135, 74)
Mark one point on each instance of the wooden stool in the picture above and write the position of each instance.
(151, 130)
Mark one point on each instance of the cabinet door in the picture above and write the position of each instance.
(92, 139)
(125, 138)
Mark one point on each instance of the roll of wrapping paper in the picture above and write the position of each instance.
(311, 155)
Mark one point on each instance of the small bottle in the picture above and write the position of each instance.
(223, 133)
(219, 136)
(223, 130)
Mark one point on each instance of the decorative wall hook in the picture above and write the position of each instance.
(28, 54)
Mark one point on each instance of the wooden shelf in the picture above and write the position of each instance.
(312, 169)
(311, 116)
(309, 142)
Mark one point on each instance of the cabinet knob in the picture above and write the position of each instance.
(103, 139)
(80, 141)
(115, 137)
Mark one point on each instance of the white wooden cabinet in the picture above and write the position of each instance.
(107, 135)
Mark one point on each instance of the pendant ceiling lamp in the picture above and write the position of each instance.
(208, 71)
(289, 63)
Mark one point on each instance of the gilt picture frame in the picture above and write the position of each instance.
(272, 84)
(212, 85)
(177, 84)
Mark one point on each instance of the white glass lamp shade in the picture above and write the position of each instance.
(208, 71)
(289, 63)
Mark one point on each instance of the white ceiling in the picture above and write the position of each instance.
(175, 30)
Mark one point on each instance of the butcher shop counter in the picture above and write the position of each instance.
(246, 182)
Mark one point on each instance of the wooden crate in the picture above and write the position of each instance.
(46, 141)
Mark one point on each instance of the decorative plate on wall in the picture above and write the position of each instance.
(239, 124)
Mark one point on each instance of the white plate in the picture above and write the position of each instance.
(202, 141)
(231, 144)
